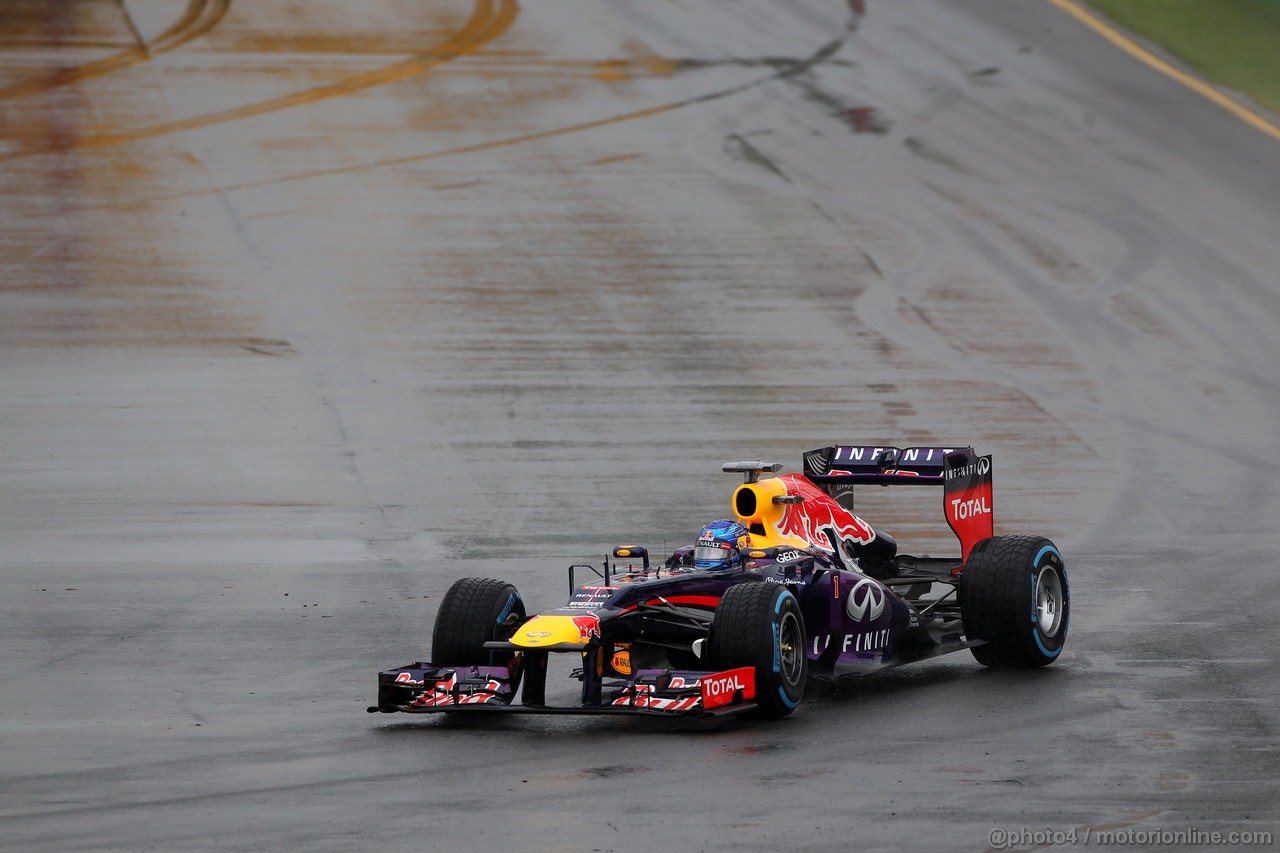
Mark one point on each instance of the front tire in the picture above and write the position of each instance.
(473, 612)
(1014, 595)
(760, 625)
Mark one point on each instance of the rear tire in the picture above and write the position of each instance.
(760, 625)
(473, 612)
(1014, 595)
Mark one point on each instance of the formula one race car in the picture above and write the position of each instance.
(795, 586)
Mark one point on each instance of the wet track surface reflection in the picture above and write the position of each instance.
(308, 309)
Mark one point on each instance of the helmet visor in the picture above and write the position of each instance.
(712, 555)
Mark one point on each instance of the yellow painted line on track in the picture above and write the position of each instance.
(190, 26)
(489, 19)
(1253, 118)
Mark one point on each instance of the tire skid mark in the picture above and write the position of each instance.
(505, 142)
(489, 20)
(780, 73)
(600, 69)
(191, 25)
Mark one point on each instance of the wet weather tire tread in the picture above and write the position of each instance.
(997, 599)
(467, 619)
(742, 634)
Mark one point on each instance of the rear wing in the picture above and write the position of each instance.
(964, 475)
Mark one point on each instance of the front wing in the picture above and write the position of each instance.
(425, 688)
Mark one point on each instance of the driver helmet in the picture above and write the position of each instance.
(720, 545)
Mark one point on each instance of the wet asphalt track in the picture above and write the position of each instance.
(310, 309)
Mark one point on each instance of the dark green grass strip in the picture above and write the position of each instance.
(1234, 43)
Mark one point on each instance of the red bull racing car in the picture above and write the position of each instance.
(795, 586)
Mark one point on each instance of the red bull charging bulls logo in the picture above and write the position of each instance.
(588, 626)
(819, 518)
